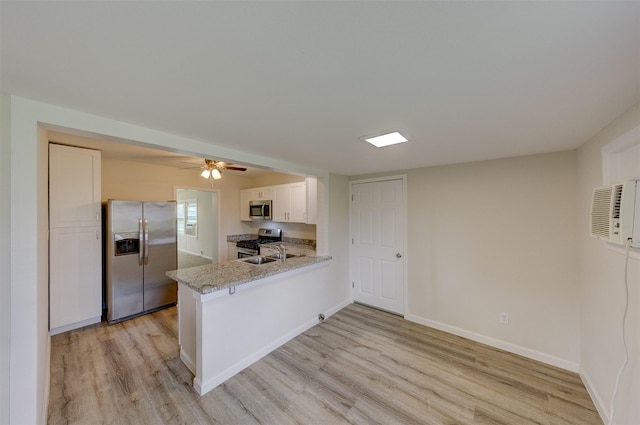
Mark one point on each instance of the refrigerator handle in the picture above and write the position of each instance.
(146, 241)
(140, 242)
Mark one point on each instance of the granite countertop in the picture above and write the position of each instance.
(216, 277)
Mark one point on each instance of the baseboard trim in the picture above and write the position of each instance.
(195, 254)
(601, 405)
(333, 310)
(44, 412)
(204, 387)
(77, 325)
(188, 361)
(502, 345)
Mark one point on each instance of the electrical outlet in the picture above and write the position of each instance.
(504, 318)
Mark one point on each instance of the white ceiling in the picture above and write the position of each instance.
(302, 81)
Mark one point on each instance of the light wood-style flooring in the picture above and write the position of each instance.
(186, 260)
(360, 366)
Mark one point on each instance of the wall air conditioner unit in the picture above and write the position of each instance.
(613, 209)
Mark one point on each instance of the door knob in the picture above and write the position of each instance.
(398, 255)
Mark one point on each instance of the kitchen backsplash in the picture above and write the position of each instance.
(242, 237)
(310, 242)
(248, 236)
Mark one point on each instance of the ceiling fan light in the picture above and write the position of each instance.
(387, 139)
(205, 173)
(215, 173)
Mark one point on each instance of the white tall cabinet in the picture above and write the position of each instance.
(75, 238)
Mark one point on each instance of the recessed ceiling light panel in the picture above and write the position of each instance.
(386, 139)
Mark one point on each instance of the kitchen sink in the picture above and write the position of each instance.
(258, 260)
(278, 256)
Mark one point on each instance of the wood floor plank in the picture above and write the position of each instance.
(360, 366)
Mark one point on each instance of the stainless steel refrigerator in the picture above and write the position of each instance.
(141, 246)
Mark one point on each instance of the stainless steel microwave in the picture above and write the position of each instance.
(260, 210)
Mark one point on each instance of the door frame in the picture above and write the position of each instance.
(405, 256)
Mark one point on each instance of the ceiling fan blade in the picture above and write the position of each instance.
(235, 168)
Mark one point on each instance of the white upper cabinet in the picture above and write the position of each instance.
(262, 194)
(292, 202)
(281, 202)
(312, 200)
(245, 197)
(74, 187)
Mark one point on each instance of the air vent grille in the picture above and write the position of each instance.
(600, 212)
(617, 196)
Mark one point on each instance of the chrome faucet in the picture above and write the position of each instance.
(282, 251)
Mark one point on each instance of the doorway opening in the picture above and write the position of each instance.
(197, 227)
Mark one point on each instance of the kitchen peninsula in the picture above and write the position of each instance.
(233, 313)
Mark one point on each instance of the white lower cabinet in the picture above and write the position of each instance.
(75, 278)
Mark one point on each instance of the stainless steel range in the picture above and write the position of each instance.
(251, 247)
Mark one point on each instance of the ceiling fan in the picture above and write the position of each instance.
(212, 169)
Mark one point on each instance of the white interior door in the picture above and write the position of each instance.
(378, 239)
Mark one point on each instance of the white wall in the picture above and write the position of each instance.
(337, 227)
(27, 207)
(148, 182)
(273, 179)
(28, 266)
(497, 236)
(5, 256)
(602, 293)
